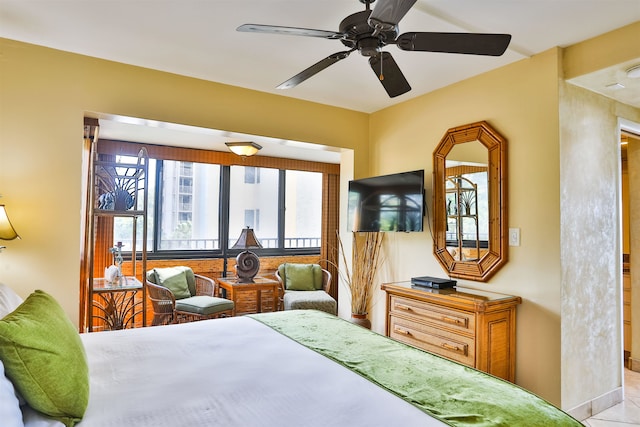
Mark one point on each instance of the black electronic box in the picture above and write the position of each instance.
(433, 282)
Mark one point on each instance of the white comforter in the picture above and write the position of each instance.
(229, 372)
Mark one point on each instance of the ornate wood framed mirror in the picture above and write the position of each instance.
(470, 201)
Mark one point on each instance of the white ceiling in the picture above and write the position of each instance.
(121, 128)
(197, 38)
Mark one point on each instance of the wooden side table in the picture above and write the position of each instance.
(116, 304)
(259, 296)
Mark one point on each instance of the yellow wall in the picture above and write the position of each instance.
(531, 129)
(44, 95)
(600, 52)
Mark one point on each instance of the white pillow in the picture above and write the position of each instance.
(10, 412)
(33, 418)
(9, 300)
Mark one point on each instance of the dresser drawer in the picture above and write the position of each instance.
(447, 344)
(444, 317)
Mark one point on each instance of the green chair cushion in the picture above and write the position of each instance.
(299, 277)
(306, 300)
(174, 279)
(204, 305)
(44, 358)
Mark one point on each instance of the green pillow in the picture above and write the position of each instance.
(317, 277)
(44, 358)
(299, 277)
(174, 279)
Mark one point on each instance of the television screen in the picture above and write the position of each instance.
(387, 203)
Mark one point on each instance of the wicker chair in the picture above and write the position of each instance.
(198, 302)
(306, 287)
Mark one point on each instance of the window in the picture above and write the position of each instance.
(186, 169)
(303, 209)
(187, 203)
(251, 175)
(122, 227)
(252, 218)
(188, 200)
(248, 198)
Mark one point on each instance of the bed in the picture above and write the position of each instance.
(293, 368)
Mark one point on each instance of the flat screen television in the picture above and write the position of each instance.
(387, 203)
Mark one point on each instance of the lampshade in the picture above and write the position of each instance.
(243, 148)
(247, 240)
(7, 232)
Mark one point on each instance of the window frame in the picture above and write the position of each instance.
(225, 160)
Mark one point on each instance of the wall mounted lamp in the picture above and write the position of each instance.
(247, 263)
(244, 149)
(7, 232)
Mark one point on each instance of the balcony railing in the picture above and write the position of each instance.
(212, 244)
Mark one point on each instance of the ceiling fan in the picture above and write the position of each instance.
(369, 31)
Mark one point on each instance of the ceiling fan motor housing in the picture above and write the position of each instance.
(358, 34)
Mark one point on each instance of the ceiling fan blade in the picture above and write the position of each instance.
(314, 69)
(291, 31)
(389, 74)
(468, 43)
(387, 13)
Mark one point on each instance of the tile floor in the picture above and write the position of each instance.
(624, 414)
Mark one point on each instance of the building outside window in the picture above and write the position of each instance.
(252, 218)
(251, 175)
(303, 209)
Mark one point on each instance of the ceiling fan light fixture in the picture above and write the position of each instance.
(244, 148)
(634, 72)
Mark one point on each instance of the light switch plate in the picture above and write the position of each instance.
(514, 237)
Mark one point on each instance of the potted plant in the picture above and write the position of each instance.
(468, 201)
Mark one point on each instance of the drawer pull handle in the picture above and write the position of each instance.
(451, 347)
(402, 331)
(403, 307)
(451, 320)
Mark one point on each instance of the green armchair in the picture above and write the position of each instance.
(178, 295)
(305, 286)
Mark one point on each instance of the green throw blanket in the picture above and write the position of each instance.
(451, 392)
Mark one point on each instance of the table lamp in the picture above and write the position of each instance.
(7, 232)
(247, 263)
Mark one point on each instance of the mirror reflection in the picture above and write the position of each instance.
(467, 201)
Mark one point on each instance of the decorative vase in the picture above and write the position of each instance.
(361, 320)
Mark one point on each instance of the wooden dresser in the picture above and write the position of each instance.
(473, 327)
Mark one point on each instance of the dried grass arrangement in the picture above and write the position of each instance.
(366, 261)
